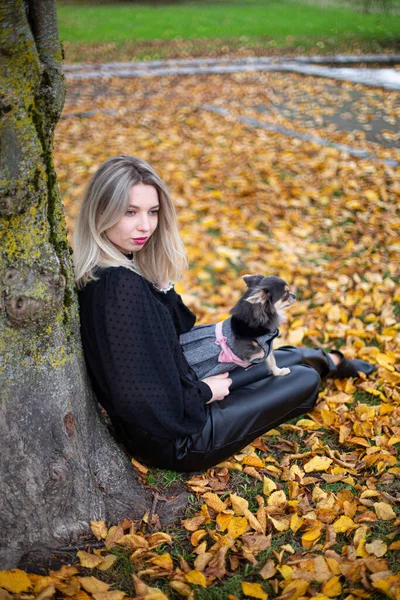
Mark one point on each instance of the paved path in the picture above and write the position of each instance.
(355, 110)
(303, 136)
(388, 78)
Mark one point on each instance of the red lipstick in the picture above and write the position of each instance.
(140, 241)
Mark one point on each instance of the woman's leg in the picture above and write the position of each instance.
(247, 413)
(334, 364)
(318, 359)
(286, 356)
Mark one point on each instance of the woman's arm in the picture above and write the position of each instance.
(138, 362)
(182, 316)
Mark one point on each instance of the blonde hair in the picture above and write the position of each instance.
(104, 204)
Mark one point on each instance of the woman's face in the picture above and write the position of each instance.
(139, 221)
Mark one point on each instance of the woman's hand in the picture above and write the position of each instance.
(219, 385)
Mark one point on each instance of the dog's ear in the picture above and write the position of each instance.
(258, 298)
(252, 280)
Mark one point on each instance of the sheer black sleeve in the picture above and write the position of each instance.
(182, 316)
(134, 357)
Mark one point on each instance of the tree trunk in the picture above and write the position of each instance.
(59, 467)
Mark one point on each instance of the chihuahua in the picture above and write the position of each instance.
(246, 337)
(258, 313)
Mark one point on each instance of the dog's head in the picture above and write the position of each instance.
(263, 302)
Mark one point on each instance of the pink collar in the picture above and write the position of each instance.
(226, 355)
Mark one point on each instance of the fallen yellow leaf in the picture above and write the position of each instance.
(280, 524)
(307, 424)
(277, 499)
(318, 463)
(15, 581)
(90, 561)
(163, 560)
(198, 535)
(296, 522)
(385, 361)
(196, 577)
(332, 587)
(343, 524)
(309, 538)
(253, 461)
(254, 590)
(239, 505)
(295, 589)
(286, 572)
(237, 526)
(182, 588)
(269, 486)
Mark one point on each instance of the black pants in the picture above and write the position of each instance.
(257, 402)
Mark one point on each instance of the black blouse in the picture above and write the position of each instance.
(130, 341)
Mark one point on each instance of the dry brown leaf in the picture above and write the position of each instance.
(113, 536)
(90, 561)
(384, 511)
(214, 501)
(156, 539)
(99, 529)
(93, 585)
(268, 570)
(112, 595)
(107, 562)
(376, 547)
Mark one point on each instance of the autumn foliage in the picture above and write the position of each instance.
(319, 516)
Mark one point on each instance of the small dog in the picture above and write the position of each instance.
(246, 337)
(258, 312)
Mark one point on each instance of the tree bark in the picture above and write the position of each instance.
(59, 467)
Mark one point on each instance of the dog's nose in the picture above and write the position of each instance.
(293, 296)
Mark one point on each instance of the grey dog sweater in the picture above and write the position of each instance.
(202, 352)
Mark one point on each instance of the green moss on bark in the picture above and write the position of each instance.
(34, 234)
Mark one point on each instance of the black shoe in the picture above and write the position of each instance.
(351, 368)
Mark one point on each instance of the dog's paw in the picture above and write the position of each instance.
(281, 372)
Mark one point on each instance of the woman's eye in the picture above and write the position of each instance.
(130, 212)
(154, 212)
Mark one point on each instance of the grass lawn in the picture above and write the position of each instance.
(255, 23)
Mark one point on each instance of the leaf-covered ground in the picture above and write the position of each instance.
(312, 508)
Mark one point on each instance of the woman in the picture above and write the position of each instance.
(127, 252)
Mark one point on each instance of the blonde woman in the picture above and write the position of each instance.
(127, 252)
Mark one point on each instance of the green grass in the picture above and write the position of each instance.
(121, 23)
(165, 479)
